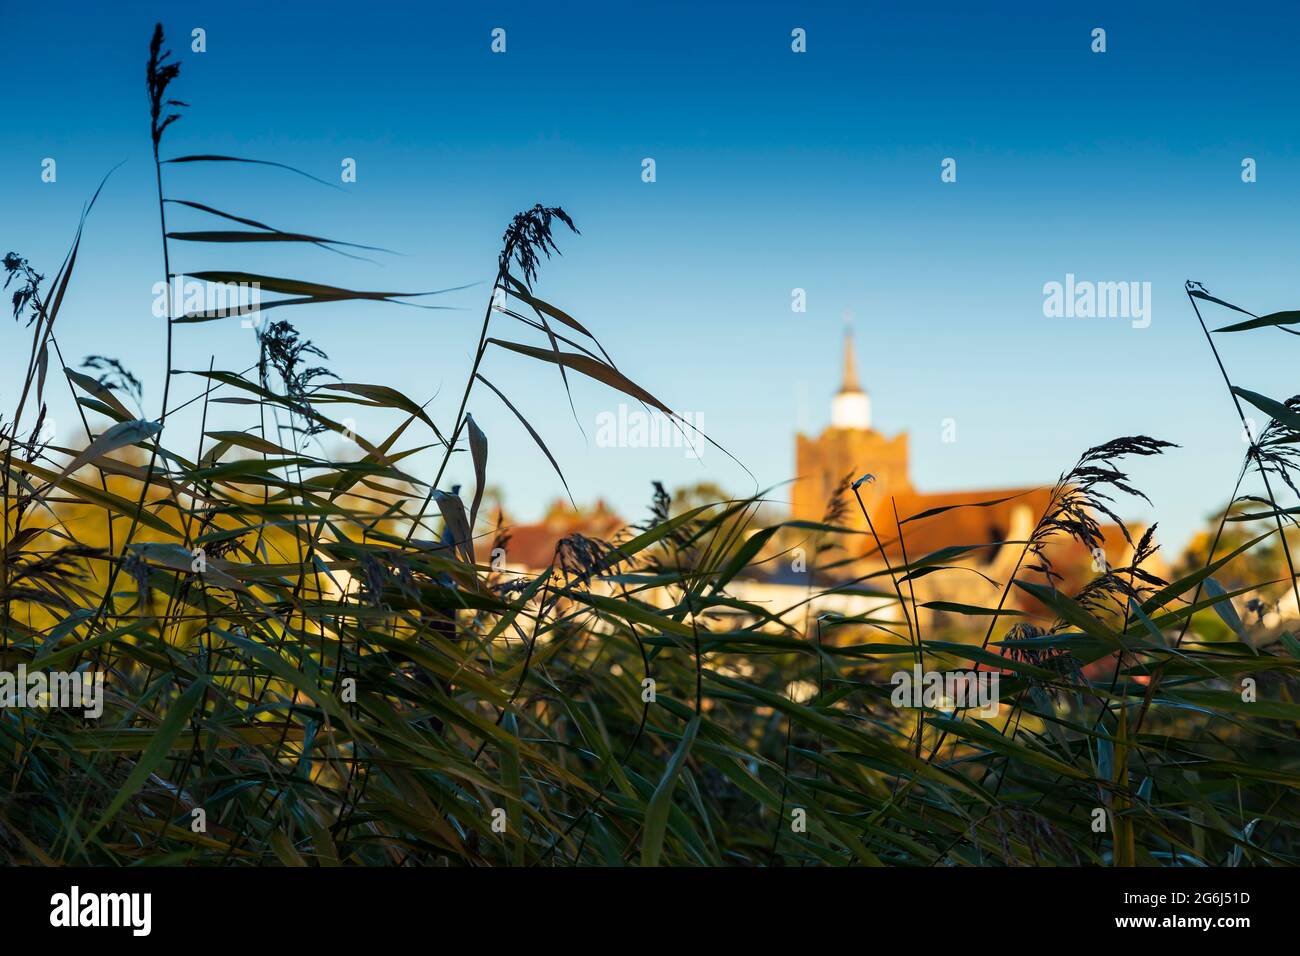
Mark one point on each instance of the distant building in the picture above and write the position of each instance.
(531, 547)
(996, 521)
(850, 447)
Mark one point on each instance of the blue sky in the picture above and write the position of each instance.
(775, 171)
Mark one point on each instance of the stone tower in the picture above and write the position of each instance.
(849, 447)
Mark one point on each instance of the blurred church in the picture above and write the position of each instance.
(995, 521)
(850, 447)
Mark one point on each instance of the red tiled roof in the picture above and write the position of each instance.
(533, 545)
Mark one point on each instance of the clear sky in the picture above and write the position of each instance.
(775, 171)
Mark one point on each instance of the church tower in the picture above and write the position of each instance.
(849, 447)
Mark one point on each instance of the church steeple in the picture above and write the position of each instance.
(850, 383)
(851, 407)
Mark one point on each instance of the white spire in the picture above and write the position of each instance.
(851, 406)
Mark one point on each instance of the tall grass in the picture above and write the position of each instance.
(306, 650)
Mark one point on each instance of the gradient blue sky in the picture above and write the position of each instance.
(775, 171)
